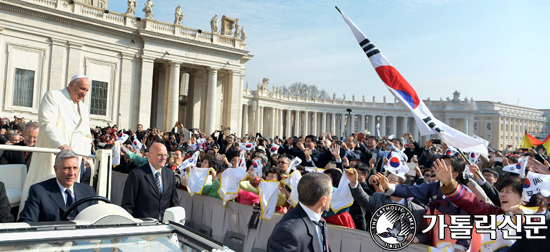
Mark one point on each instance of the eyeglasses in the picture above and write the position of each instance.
(282, 162)
(162, 155)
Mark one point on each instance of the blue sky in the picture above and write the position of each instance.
(494, 50)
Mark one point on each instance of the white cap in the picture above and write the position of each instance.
(78, 76)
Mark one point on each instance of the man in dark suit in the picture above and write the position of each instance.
(151, 188)
(22, 157)
(302, 228)
(5, 207)
(48, 200)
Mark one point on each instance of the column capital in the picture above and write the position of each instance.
(58, 42)
(148, 59)
(127, 56)
(212, 69)
(173, 63)
(75, 45)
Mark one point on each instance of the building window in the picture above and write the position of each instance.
(488, 136)
(488, 118)
(99, 98)
(501, 126)
(489, 126)
(475, 125)
(102, 4)
(506, 127)
(23, 88)
(517, 128)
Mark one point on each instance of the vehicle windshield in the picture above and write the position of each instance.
(158, 243)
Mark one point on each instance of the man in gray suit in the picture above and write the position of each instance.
(378, 199)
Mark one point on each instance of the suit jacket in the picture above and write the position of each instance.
(141, 197)
(372, 203)
(294, 232)
(45, 201)
(16, 157)
(60, 124)
(5, 207)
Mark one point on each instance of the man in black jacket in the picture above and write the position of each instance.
(22, 157)
(302, 228)
(5, 207)
(151, 188)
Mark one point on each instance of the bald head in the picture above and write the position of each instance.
(158, 155)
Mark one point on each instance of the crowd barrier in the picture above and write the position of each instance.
(207, 211)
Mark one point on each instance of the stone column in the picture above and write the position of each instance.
(125, 101)
(361, 123)
(261, 120)
(382, 126)
(245, 120)
(465, 126)
(211, 105)
(372, 125)
(297, 123)
(333, 123)
(414, 131)
(404, 126)
(351, 124)
(307, 120)
(146, 91)
(173, 96)
(315, 130)
(394, 126)
(342, 125)
(324, 122)
(288, 124)
(281, 124)
(273, 122)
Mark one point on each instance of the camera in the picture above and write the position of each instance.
(436, 141)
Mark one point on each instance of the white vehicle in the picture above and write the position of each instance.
(103, 226)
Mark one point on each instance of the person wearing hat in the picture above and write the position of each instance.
(64, 122)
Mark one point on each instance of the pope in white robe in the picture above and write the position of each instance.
(64, 123)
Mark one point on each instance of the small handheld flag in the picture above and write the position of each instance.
(274, 149)
(242, 161)
(292, 166)
(137, 144)
(451, 151)
(396, 166)
(247, 146)
(122, 137)
(536, 183)
(517, 168)
(190, 162)
(257, 167)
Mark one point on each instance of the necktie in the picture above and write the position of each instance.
(70, 201)
(323, 224)
(157, 178)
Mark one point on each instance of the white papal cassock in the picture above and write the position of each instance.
(61, 122)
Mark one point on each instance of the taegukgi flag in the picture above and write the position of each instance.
(518, 168)
(402, 90)
(242, 161)
(137, 144)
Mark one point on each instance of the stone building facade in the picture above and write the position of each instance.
(276, 114)
(141, 70)
(504, 125)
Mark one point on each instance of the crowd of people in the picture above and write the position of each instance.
(427, 178)
(372, 185)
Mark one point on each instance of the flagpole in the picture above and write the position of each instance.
(468, 162)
